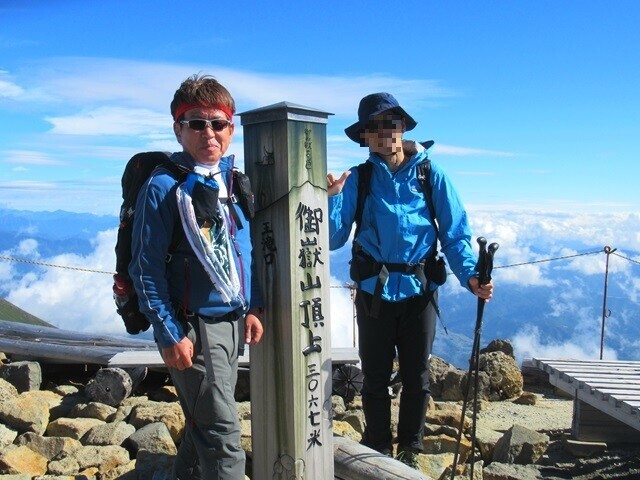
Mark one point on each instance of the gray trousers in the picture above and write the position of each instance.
(210, 447)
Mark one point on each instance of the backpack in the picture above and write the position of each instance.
(138, 169)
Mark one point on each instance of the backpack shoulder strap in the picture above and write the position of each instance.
(424, 177)
(364, 186)
(179, 172)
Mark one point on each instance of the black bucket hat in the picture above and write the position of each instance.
(373, 105)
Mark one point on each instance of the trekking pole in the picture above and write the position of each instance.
(484, 267)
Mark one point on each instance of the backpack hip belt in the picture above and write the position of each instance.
(365, 266)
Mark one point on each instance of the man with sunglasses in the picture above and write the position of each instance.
(196, 293)
(396, 301)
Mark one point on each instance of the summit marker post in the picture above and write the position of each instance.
(285, 156)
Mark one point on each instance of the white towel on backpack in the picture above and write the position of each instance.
(211, 245)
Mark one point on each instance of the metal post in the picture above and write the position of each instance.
(605, 313)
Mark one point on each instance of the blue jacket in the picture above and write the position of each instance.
(396, 224)
(164, 286)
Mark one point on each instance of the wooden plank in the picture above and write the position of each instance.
(591, 424)
(603, 386)
(58, 353)
(549, 361)
(19, 331)
(152, 359)
(618, 399)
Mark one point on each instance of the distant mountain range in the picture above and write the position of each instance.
(562, 317)
(56, 232)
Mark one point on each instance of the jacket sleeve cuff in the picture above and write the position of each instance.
(167, 333)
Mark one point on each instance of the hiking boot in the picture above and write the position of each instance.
(409, 458)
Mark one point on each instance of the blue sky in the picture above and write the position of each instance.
(532, 105)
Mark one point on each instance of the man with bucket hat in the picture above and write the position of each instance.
(395, 264)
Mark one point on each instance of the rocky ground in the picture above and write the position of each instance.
(98, 437)
(552, 414)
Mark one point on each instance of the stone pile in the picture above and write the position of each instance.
(54, 431)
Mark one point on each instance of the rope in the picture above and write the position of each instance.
(42, 264)
(548, 260)
(626, 258)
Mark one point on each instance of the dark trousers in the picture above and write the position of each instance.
(408, 328)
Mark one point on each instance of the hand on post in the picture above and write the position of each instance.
(253, 328)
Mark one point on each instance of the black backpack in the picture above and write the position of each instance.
(138, 169)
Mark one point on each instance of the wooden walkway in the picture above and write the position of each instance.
(606, 396)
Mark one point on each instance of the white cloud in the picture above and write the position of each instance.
(82, 300)
(531, 343)
(102, 81)
(10, 90)
(343, 329)
(442, 149)
(538, 236)
(27, 185)
(29, 157)
(72, 299)
(111, 121)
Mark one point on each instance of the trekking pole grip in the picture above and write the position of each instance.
(481, 266)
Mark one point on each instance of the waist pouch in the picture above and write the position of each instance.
(363, 266)
(435, 269)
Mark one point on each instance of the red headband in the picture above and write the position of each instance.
(184, 107)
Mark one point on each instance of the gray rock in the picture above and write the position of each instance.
(20, 459)
(355, 418)
(154, 438)
(108, 434)
(498, 345)
(520, 445)
(7, 436)
(502, 471)
(72, 427)
(438, 370)
(49, 447)
(25, 413)
(504, 374)
(93, 410)
(64, 466)
(7, 390)
(156, 466)
(486, 440)
(579, 448)
(168, 413)
(25, 376)
(66, 405)
(102, 457)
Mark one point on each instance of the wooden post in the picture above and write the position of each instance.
(286, 159)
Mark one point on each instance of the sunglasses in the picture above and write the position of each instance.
(384, 124)
(200, 124)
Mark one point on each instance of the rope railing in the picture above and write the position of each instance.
(347, 285)
(608, 251)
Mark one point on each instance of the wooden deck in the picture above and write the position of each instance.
(606, 396)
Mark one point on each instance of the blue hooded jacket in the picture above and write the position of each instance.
(164, 286)
(396, 223)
